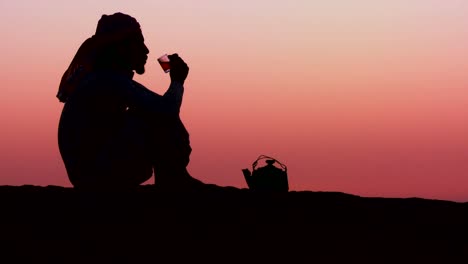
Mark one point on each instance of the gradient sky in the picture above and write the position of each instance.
(367, 97)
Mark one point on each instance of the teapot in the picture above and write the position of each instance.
(267, 178)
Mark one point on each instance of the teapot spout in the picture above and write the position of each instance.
(247, 176)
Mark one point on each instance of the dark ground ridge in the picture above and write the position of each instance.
(62, 225)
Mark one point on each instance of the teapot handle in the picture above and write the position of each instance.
(267, 157)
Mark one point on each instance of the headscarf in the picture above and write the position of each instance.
(110, 30)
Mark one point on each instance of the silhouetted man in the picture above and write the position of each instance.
(113, 131)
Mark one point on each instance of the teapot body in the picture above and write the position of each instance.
(267, 178)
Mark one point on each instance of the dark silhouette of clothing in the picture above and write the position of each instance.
(113, 131)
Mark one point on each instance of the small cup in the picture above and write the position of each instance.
(164, 62)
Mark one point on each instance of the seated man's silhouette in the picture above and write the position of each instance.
(113, 131)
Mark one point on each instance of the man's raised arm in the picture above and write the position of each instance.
(170, 103)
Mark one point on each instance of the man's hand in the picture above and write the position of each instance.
(179, 69)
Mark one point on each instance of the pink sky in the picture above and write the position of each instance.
(368, 97)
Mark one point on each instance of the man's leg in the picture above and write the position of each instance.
(172, 155)
(130, 165)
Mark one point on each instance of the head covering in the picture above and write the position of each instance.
(110, 30)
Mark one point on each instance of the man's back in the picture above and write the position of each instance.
(91, 119)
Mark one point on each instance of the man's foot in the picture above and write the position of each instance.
(182, 181)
